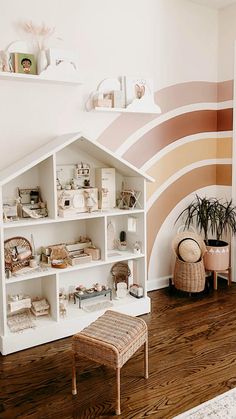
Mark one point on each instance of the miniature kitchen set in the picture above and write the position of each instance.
(73, 228)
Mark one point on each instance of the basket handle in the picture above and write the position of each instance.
(181, 228)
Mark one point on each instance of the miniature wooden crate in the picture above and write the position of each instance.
(78, 259)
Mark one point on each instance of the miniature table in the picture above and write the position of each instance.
(87, 295)
(111, 340)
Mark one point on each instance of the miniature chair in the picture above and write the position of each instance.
(111, 340)
(120, 272)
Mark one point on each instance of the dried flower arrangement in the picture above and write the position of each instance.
(40, 33)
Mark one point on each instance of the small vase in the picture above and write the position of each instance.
(42, 61)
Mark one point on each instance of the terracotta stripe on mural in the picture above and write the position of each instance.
(190, 182)
(170, 131)
(225, 119)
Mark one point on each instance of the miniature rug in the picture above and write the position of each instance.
(221, 407)
(97, 306)
(20, 321)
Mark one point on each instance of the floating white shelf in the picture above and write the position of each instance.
(32, 77)
(124, 110)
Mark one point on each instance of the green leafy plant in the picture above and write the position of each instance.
(210, 215)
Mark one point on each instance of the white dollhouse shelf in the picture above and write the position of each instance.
(40, 169)
(40, 79)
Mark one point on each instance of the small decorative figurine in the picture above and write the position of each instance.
(137, 248)
(89, 200)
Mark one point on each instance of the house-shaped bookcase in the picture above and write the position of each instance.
(103, 226)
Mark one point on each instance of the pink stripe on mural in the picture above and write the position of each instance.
(169, 98)
(225, 91)
(170, 131)
(124, 126)
(183, 94)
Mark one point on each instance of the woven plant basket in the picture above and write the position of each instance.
(189, 276)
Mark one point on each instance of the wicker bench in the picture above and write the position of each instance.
(111, 340)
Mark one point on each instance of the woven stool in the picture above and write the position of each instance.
(111, 340)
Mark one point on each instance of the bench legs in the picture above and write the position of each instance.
(146, 359)
(118, 391)
(74, 389)
(118, 410)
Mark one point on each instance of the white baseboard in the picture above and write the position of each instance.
(163, 282)
(158, 283)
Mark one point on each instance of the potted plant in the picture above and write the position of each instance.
(216, 218)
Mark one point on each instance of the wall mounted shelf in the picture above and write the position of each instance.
(33, 78)
(124, 110)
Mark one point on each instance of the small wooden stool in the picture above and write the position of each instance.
(226, 272)
(111, 340)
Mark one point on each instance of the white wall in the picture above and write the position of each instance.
(186, 42)
(226, 39)
(172, 40)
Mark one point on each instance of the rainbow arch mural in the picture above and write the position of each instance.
(186, 148)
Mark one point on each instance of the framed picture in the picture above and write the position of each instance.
(23, 63)
(137, 88)
(139, 95)
(57, 56)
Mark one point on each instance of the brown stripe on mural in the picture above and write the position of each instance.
(186, 184)
(225, 90)
(169, 131)
(225, 119)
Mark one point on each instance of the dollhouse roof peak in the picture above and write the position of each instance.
(90, 146)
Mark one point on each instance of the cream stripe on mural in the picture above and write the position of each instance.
(178, 143)
(186, 154)
(181, 172)
(136, 135)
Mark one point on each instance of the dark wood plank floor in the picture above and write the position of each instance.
(192, 354)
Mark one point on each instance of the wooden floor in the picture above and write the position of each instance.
(192, 354)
